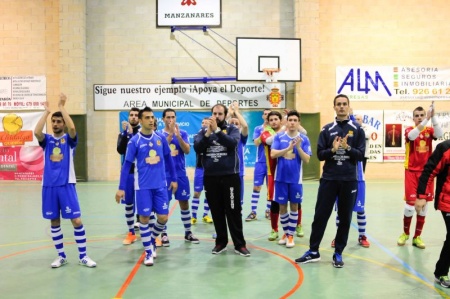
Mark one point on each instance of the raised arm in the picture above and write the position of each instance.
(38, 131)
(67, 119)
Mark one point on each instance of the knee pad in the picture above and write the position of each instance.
(409, 210)
(424, 210)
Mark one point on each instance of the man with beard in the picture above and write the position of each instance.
(59, 196)
(130, 129)
(217, 143)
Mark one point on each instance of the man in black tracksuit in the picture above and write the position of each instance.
(341, 144)
(217, 143)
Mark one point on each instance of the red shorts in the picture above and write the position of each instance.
(411, 184)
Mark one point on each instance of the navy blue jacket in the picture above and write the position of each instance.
(219, 152)
(342, 164)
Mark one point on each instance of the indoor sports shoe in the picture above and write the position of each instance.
(333, 243)
(165, 240)
(207, 219)
(148, 261)
(337, 261)
(283, 240)
(444, 281)
(290, 242)
(273, 235)
(299, 231)
(251, 217)
(191, 238)
(242, 251)
(193, 220)
(60, 261)
(362, 240)
(153, 247)
(417, 241)
(267, 214)
(129, 239)
(86, 261)
(402, 239)
(218, 249)
(308, 257)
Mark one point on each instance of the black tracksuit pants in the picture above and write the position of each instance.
(329, 191)
(223, 196)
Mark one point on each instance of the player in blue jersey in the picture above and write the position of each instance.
(292, 150)
(341, 145)
(59, 196)
(150, 153)
(198, 187)
(129, 129)
(178, 141)
(260, 170)
(239, 121)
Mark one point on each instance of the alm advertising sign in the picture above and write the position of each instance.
(393, 83)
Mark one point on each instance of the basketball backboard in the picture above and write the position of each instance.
(255, 54)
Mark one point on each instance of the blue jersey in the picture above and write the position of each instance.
(241, 150)
(260, 156)
(149, 153)
(58, 154)
(289, 166)
(177, 153)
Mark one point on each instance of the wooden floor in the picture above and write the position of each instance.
(182, 270)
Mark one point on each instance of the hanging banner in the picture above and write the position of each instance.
(188, 13)
(189, 96)
(393, 83)
(22, 92)
(21, 157)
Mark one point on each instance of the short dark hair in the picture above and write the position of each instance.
(225, 109)
(168, 110)
(58, 114)
(134, 109)
(340, 96)
(420, 108)
(293, 113)
(274, 113)
(145, 109)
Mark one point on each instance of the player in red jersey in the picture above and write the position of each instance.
(418, 149)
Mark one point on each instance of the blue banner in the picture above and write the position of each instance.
(191, 123)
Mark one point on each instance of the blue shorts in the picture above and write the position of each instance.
(198, 179)
(152, 200)
(129, 191)
(62, 199)
(183, 191)
(360, 197)
(285, 192)
(259, 174)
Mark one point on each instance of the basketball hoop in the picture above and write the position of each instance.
(270, 74)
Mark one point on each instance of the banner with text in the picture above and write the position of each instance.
(189, 96)
(393, 83)
(21, 157)
(188, 13)
(22, 92)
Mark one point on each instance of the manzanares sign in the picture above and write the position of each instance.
(189, 96)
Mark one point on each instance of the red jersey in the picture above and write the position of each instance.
(419, 150)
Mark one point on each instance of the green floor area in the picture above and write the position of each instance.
(190, 270)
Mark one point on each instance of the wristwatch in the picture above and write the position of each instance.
(348, 148)
(217, 130)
